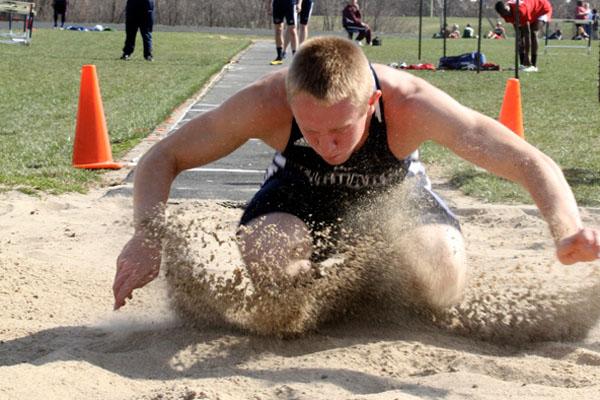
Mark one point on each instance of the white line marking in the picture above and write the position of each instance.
(232, 170)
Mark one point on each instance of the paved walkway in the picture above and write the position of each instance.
(237, 176)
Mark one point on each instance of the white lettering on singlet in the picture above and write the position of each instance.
(354, 180)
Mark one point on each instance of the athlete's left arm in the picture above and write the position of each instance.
(426, 113)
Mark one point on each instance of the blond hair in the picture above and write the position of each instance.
(330, 69)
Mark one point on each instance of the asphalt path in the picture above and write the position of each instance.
(237, 176)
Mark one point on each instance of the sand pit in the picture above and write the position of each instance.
(527, 327)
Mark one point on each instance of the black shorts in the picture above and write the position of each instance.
(336, 209)
(284, 9)
(60, 8)
(305, 11)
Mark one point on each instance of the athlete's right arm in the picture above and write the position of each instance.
(257, 111)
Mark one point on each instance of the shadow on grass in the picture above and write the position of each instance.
(484, 185)
(581, 176)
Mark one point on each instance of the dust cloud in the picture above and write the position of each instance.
(364, 277)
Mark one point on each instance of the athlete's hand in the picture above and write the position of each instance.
(582, 246)
(137, 265)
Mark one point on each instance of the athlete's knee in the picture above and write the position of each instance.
(445, 286)
(437, 259)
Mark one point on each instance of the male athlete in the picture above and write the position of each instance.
(345, 133)
(532, 16)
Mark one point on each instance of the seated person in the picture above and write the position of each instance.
(581, 34)
(556, 35)
(352, 22)
(498, 32)
(469, 32)
(454, 33)
(582, 10)
(442, 33)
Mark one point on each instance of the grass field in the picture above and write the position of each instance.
(560, 110)
(40, 88)
(40, 91)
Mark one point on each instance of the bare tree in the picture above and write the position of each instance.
(257, 13)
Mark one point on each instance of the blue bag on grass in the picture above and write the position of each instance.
(463, 61)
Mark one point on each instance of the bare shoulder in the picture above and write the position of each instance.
(405, 100)
(397, 86)
(416, 111)
(263, 108)
(270, 89)
(268, 104)
(408, 93)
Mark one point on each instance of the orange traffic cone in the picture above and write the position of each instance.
(510, 113)
(92, 148)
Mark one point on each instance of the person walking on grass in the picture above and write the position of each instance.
(347, 134)
(285, 10)
(533, 14)
(139, 15)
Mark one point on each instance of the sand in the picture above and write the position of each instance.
(527, 327)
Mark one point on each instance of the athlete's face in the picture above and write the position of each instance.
(334, 131)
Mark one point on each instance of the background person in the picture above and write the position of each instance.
(580, 34)
(139, 15)
(305, 13)
(454, 33)
(582, 12)
(498, 32)
(595, 18)
(60, 8)
(304, 17)
(532, 16)
(556, 35)
(352, 22)
(285, 10)
(469, 32)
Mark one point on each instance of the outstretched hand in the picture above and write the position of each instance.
(582, 246)
(137, 265)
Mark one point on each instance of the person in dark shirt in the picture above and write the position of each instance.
(348, 133)
(60, 8)
(352, 22)
(139, 15)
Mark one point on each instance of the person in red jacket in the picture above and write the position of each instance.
(532, 16)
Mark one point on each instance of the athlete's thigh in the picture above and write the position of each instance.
(279, 9)
(292, 195)
(290, 12)
(306, 11)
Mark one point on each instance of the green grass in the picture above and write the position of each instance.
(560, 110)
(408, 27)
(40, 87)
(40, 90)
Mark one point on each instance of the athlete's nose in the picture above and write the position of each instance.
(329, 145)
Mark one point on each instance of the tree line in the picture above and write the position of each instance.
(257, 13)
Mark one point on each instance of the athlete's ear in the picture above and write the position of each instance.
(374, 97)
